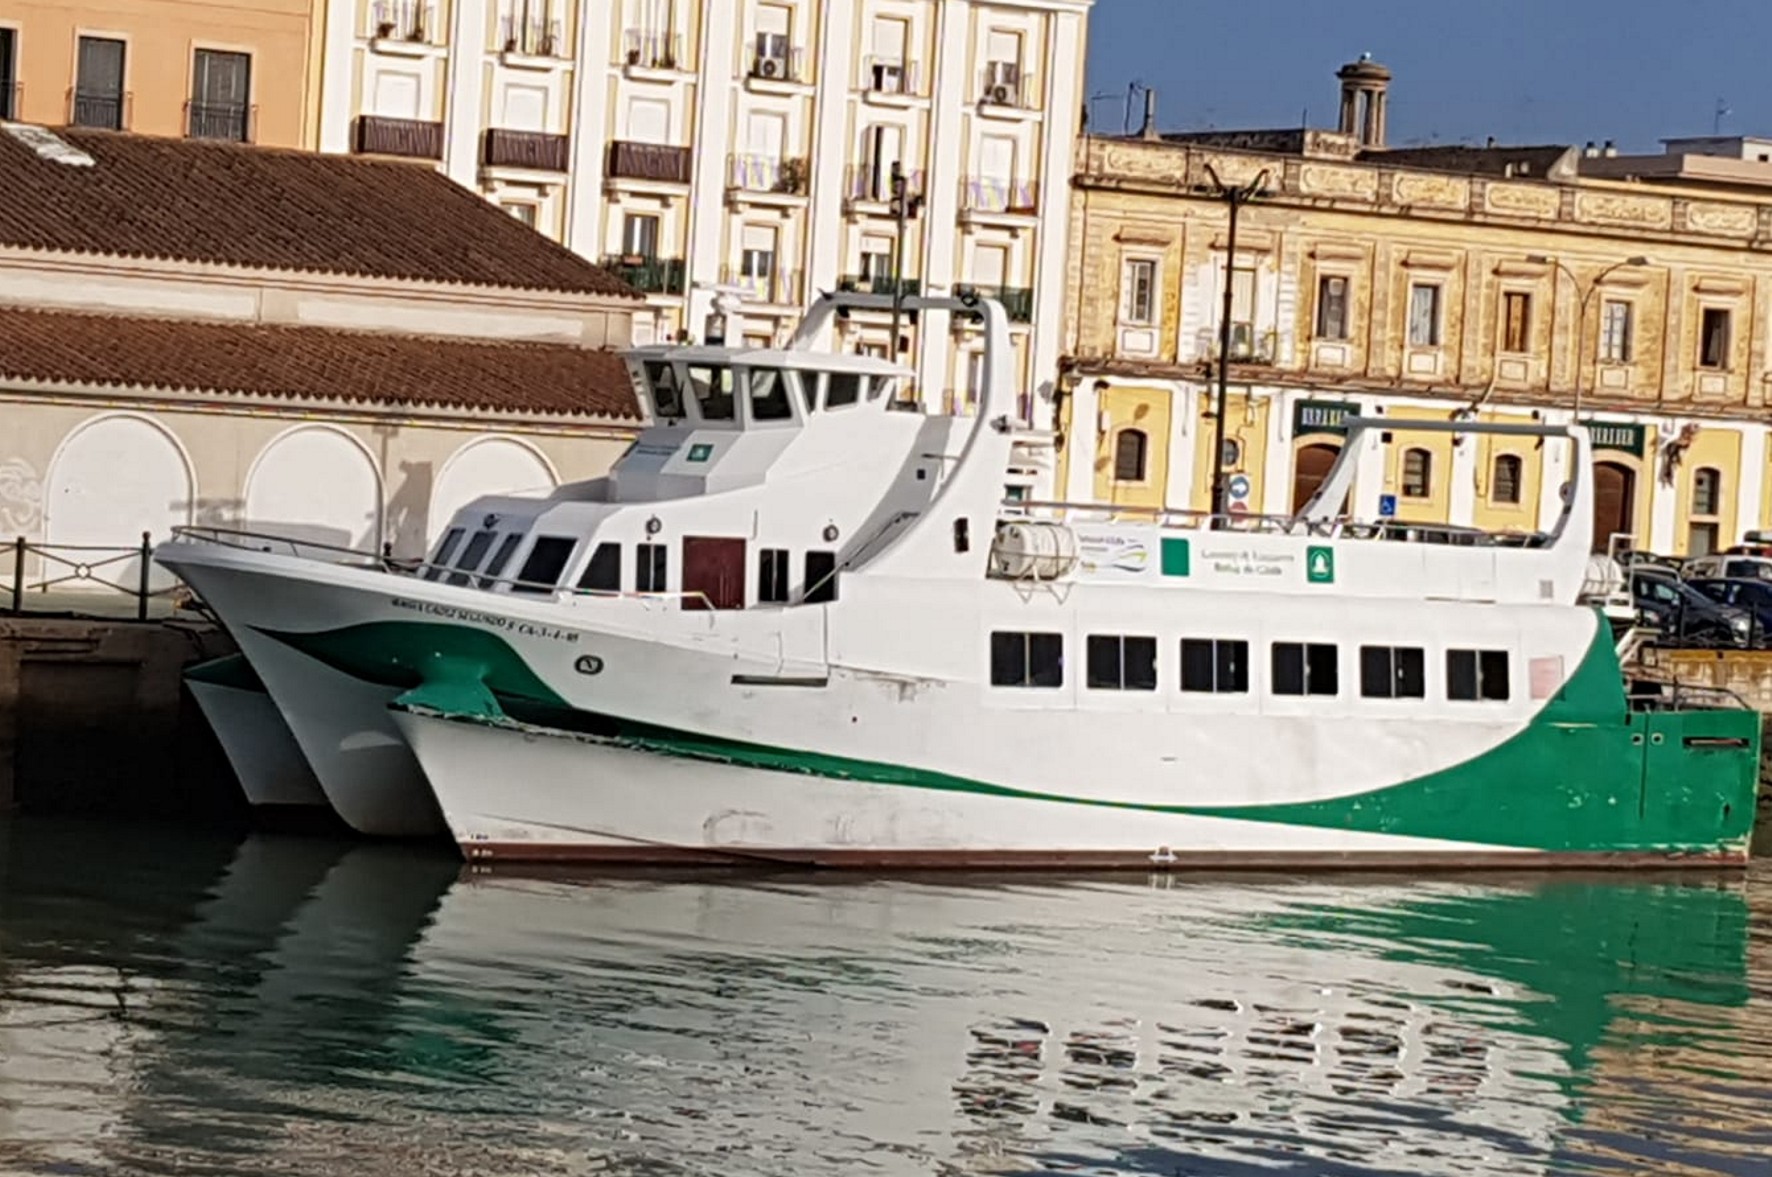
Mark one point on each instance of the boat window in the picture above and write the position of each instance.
(547, 560)
(1476, 675)
(821, 578)
(1301, 668)
(651, 563)
(1393, 672)
(842, 389)
(772, 576)
(471, 556)
(712, 388)
(1217, 665)
(769, 395)
(667, 398)
(506, 549)
(603, 573)
(1120, 663)
(445, 550)
(1027, 660)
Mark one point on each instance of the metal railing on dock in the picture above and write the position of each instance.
(80, 567)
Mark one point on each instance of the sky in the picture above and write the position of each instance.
(1524, 71)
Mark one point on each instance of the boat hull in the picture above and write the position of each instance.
(273, 773)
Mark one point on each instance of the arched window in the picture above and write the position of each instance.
(1130, 452)
(1707, 487)
(1418, 474)
(1504, 485)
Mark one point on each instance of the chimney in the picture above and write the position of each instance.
(1490, 144)
(1149, 130)
(1590, 151)
(1610, 150)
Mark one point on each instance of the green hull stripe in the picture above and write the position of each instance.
(1586, 774)
(231, 671)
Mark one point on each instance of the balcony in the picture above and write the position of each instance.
(889, 78)
(871, 184)
(656, 162)
(1018, 301)
(220, 120)
(93, 108)
(994, 196)
(643, 49)
(766, 175)
(531, 37)
(1248, 346)
(535, 151)
(403, 20)
(413, 138)
(773, 60)
(880, 284)
(780, 288)
(650, 275)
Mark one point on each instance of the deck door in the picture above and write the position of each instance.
(715, 568)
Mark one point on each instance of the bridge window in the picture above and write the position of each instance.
(1118, 663)
(471, 556)
(1215, 665)
(769, 396)
(772, 576)
(651, 563)
(506, 549)
(821, 578)
(446, 549)
(667, 398)
(1306, 669)
(547, 560)
(842, 389)
(1027, 660)
(603, 573)
(712, 388)
(1473, 675)
(1393, 672)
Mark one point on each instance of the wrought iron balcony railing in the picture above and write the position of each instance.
(651, 275)
(220, 120)
(650, 161)
(414, 138)
(1018, 301)
(93, 108)
(535, 150)
(880, 284)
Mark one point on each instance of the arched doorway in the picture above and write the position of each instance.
(1310, 466)
(113, 479)
(1615, 498)
(493, 465)
(316, 484)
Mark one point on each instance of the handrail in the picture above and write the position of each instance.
(1324, 527)
(228, 536)
(81, 570)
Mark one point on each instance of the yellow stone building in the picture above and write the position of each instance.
(1504, 284)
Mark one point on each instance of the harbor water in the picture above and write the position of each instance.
(177, 1002)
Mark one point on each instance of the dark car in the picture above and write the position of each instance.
(1685, 615)
(1750, 596)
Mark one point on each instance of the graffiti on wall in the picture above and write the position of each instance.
(21, 498)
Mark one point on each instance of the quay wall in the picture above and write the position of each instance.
(94, 718)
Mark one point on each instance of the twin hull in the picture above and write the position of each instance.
(631, 730)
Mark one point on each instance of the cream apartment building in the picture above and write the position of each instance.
(733, 158)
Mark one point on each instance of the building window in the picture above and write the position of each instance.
(1516, 321)
(1131, 451)
(1242, 314)
(1138, 285)
(888, 69)
(1418, 474)
(521, 210)
(1713, 338)
(1027, 660)
(1331, 307)
(8, 74)
(1118, 663)
(603, 573)
(775, 55)
(1706, 490)
(547, 560)
(651, 563)
(756, 269)
(98, 84)
(772, 576)
(1473, 675)
(1504, 482)
(1704, 527)
(1424, 315)
(1305, 669)
(221, 88)
(821, 578)
(1615, 331)
(1215, 665)
(1393, 672)
(639, 238)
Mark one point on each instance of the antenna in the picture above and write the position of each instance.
(1722, 112)
(1133, 89)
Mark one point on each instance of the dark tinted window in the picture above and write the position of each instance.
(769, 396)
(667, 398)
(712, 388)
(651, 563)
(471, 556)
(772, 576)
(603, 573)
(1214, 664)
(1027, 660)
(821, 577)
(507, 547)
(843, 388)
(547, 559)
(1119, 663)
(1305, 669)
(1473, 675)
(445, 550)
(1393, 672)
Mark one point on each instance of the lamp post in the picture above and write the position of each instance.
(1583, 298)
(1235, 198)
(905, 205)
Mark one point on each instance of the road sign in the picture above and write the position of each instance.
(1238, 507)
(1387, 506)
(1240, 486)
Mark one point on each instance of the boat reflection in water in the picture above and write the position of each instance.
(303, 1008)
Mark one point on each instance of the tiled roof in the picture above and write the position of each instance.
(316, 363)
(267, 208)
(1532, 162)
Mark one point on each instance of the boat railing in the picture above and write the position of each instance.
(541, 590)
(1326, 527)
(307, 549)
(1678, 696)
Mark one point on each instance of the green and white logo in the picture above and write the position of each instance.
(1319, 565)
(700, 452)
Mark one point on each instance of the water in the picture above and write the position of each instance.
(171, 1003)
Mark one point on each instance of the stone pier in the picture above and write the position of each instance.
(93, 717)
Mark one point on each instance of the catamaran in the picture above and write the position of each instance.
(796, 624)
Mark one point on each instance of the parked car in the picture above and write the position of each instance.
(1749, 595)
(1683, 614)
(1729, 565)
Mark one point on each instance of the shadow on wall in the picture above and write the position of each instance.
(409, 510)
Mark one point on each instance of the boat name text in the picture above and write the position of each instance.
(528, 629)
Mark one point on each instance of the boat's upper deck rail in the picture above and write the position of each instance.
(1337, 527)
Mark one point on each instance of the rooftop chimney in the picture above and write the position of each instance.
(1610, 150)
(1491, 143)
(1149, 130)
(1590, 151)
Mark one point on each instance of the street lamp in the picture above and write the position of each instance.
(1235, 197)
(1540, 259)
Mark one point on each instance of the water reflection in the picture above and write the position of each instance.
(300, 1006)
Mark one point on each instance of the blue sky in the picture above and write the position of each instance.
(1538, 71)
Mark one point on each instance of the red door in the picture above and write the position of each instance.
(713, 567)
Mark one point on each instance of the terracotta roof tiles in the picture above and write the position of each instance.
(314, 363)
(268, 208)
